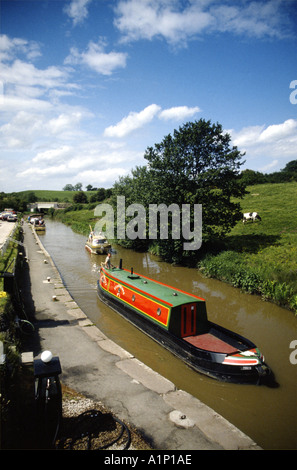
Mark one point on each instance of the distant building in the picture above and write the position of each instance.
(41, 206)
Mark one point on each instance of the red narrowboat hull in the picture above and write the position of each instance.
(178, 321)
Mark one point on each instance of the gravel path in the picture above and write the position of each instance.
(88, 425)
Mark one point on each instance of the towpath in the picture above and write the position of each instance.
(95, 366)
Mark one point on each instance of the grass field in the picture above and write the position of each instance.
(259, 257)
(54, 196)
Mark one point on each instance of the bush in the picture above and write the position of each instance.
(232, 267)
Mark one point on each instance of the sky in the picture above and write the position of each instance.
(86, 86)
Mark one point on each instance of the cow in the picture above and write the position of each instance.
(253, 216)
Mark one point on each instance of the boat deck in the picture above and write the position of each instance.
(209, 342)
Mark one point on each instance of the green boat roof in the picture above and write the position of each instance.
(167, 294)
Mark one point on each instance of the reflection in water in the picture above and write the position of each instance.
(269, 416)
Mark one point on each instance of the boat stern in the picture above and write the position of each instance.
(250, 358)
(98, 248)
(249, 362)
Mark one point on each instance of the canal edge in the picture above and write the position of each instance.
(188, 411)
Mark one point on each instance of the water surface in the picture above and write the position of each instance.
(267, 415)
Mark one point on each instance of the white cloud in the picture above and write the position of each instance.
(106, 177)
(273, 135)
(77, 10)
(179, 21)
(132, 122)
(91, 162)
(24, 87)
(64, 122)
(21, 73)
(274, 144)
(96, 59)
(35, 173)
(10, 46)
(278, 132)
(247, 136)
(270, 166)
(12, 104)
(30, 126)
(138, 19)
(31, 113)
(20, 131)
(254, 18)
(53, 155)
(136, 120)
(178, 113)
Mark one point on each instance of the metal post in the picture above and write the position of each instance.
(48, 398)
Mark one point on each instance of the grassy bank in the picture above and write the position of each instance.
(7, 264)
(79, 219)
(51, 195)
(259, 257)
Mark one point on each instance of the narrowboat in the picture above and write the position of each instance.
(178, 321)
(38, 223)
(40, 228)
(97, 244)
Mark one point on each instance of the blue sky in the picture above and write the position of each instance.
(87, 85)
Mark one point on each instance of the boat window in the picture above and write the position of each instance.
(133, 298)
(159, 311)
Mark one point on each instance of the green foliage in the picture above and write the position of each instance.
(261, 257)
(80, 197)
(287, 174)
(229, 268)
(12, 201)
(197, 165)
(78, 217)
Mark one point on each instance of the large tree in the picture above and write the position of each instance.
(195, 165)
(198, 165)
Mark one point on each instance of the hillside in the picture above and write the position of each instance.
(51, 195)
(261, 257)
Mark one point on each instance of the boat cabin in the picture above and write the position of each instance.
(180, 313)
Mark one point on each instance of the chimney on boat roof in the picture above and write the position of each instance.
(121, 262)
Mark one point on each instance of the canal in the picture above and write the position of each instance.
(267, 415)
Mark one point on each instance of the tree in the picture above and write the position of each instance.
(290, 171)
(68, 187)
(250, 177)
(31, 197)
(195, 165)
(198, 165)
(291, 166)
(99, 196)
(80, 197)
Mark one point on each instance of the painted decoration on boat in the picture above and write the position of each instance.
(178, 320)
